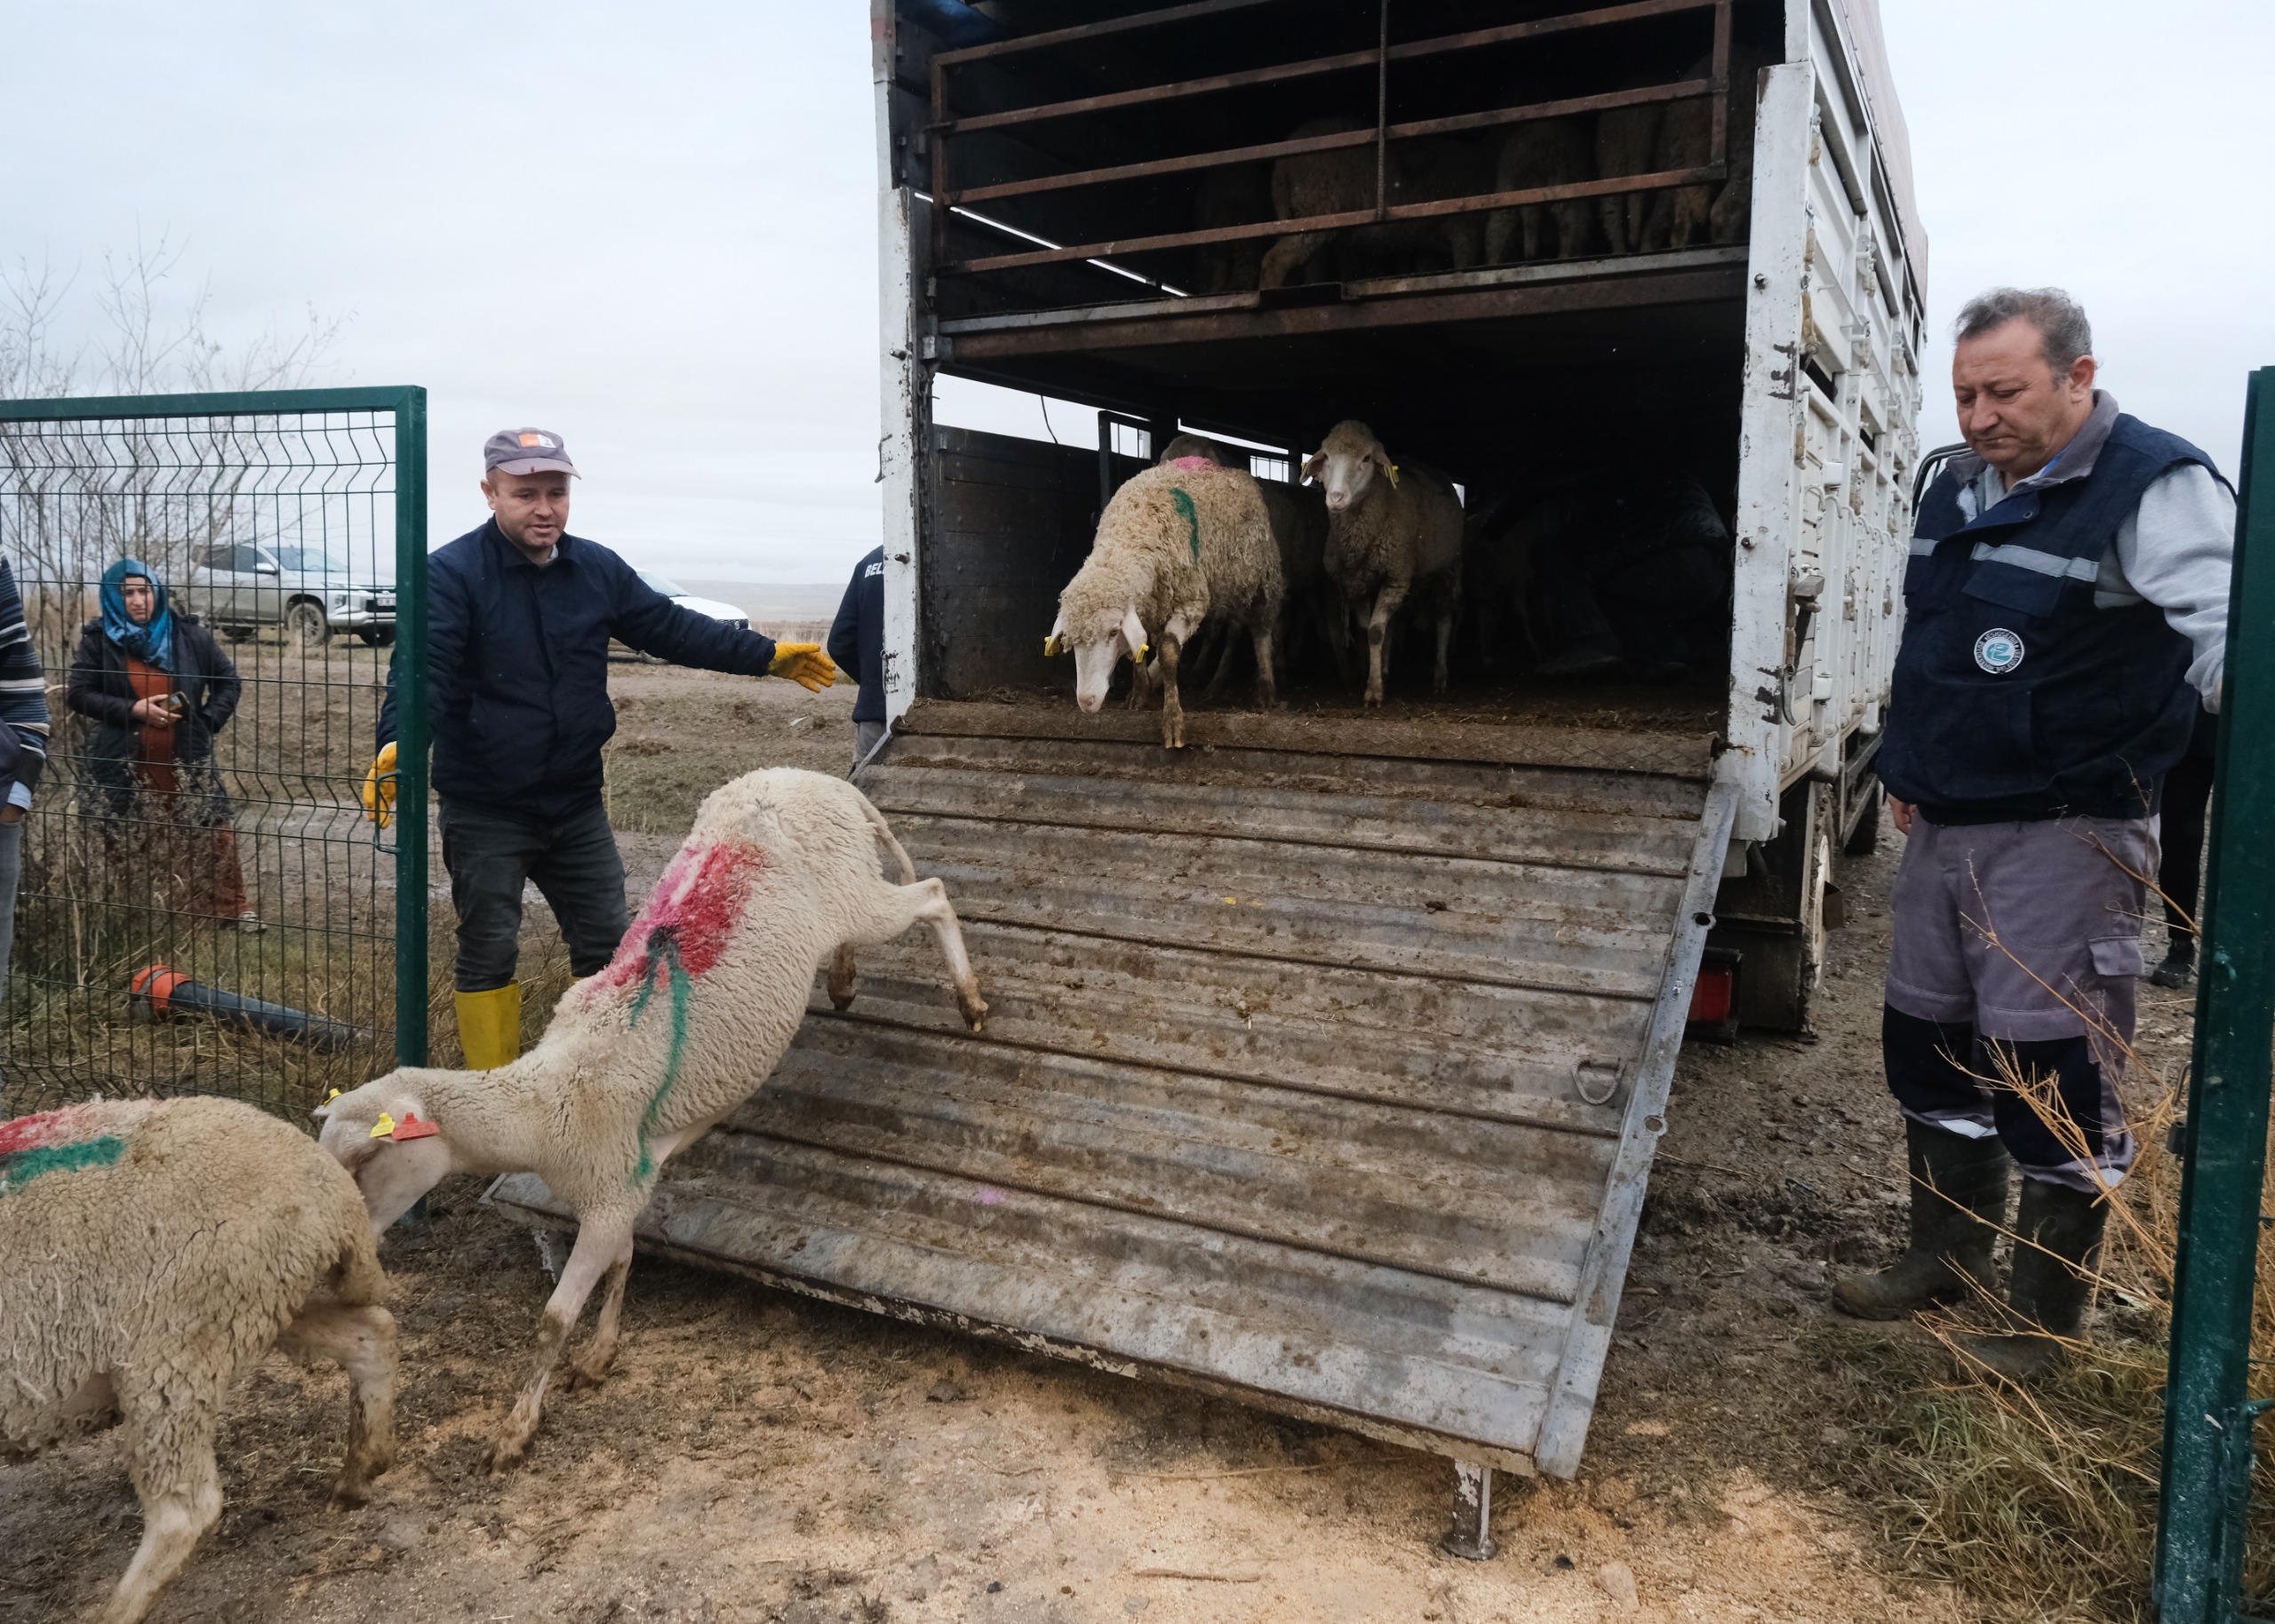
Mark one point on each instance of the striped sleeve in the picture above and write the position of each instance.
(23, 685)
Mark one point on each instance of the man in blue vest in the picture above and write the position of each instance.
(2067, 611)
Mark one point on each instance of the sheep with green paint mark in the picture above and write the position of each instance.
(151, 1251)
(779, 876)
(1180, 543)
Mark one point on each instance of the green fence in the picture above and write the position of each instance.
(205, 906)
(2210, 1412)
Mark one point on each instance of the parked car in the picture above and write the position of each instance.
(685, 599)
(238, 588)
(725, 612)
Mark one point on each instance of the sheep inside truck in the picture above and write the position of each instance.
(1389, 530)
(1180, 543)
(151, 1251)
(778, 877)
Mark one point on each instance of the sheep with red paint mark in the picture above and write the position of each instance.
(151, 1251)
(778, 877)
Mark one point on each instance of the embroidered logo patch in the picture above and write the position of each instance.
(1997, 651)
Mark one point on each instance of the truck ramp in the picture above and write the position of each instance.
(1325, 1062)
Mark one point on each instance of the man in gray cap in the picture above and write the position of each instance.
(518, 622)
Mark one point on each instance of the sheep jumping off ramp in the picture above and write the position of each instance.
(151, 1251)
(778, 877)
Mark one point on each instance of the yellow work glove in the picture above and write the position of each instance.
(379, 788)
(803, 663)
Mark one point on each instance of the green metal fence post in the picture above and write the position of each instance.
(2207, 1420)
(411, 729)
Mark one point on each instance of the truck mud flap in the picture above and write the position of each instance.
(1324, 1068)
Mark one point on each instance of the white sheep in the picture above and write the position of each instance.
(1342, 180)
(150, 1252)
(778, 877)
(1542, 152)
(1178, 545)
(1679, 216)
(1388, 532)
(1626, 140)
(1299, 515)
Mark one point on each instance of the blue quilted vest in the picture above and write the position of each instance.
(2014, 697)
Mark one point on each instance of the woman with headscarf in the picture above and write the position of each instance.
(158, 689)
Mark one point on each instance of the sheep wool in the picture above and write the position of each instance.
(1388, 530)
(1178, 545)
(150, 1252)
(778, 877)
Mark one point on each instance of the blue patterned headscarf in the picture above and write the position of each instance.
(152, 644)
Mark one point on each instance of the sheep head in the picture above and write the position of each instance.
(1099, 639)
(1345, 465)
(359, 1128)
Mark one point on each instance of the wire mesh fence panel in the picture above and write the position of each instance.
(211, 589)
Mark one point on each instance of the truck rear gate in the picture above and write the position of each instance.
(1328, 1056)
(1323, 1070)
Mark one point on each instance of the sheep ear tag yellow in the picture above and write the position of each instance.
(384, 1128)
(1050, 646)
(411, 1128)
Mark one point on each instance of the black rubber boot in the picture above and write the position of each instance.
(2052, 1282)
(2179, 966)
(1959, 1200)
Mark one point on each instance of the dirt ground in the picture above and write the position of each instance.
(759, 1456)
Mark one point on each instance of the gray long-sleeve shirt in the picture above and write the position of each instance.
(2174, 550)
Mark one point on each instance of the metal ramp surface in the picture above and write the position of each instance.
(1324, 1066)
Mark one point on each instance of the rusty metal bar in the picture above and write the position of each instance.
(1719, 151)
(1095, 30)
(1414, 49)
(1382, 113)
(1331, 222)
(1675, 91)
(1175, 325)
(1166, 93)
(940, 209)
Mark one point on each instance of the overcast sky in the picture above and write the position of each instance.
(652, 228)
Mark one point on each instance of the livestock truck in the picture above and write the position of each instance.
(1328, 1054)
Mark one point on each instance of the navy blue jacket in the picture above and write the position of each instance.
(2014, 697)
(857, 641)
(517, 662)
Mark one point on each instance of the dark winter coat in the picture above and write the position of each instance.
(857, 641)
(100, 691)
(518, 666)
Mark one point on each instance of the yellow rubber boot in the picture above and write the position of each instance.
(489, 1026)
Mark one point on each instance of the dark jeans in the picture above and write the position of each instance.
(2187, 798)
(491, 853)
(11, 875)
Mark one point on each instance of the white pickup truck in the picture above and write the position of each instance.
(241, 588)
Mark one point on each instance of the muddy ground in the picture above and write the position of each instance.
(762, 1457)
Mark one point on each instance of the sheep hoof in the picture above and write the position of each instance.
(974, 1012)
(584, 1374)
(503, 1455)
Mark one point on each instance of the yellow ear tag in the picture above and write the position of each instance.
(384, 1128)
(1049, 647)
(1143, 650)
(329, 1098)
(1394, 473)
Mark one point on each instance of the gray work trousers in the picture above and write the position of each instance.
(2016, 949)
(865, 734)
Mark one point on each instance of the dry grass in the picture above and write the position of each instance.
(2043, 1503)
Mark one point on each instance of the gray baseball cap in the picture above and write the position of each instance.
(527, 450)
